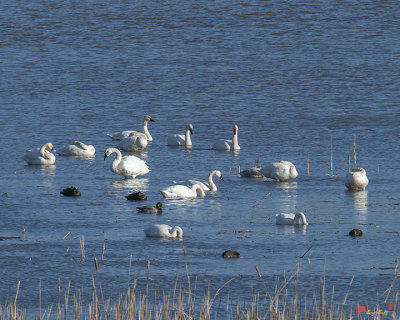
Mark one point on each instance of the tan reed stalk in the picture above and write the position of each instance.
(355, 153)
(348, 162)
(331, 167)
(82, 245)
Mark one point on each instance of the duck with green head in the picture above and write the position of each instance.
(157, 209)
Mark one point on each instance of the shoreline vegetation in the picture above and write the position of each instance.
(182, 302)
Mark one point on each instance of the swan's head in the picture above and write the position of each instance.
(159, 205)
(107, 153)
(300, 218)
(147, 118)
(190, 128)
(362, 170)
(218, 174)
(179, 232)
(49, 145)
(235, 129)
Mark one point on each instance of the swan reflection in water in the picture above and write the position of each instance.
(360, 199)
(132, 184)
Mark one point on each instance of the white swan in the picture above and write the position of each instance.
(133, 142)
(163, 231)
(41, 155)
(281, 171)
(182, 192)
(127, 166)
(290, 218)
(78, 149)
(356, 179)
(210, 186)
(180, 139)
(123, 134)
(228, 144)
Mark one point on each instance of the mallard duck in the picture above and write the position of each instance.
(138, 196)
(157, 209)
(71, 192)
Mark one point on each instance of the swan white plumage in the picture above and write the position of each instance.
(180, 139)
(123, 134)
(41, 155)
(182, 192)
(292, 219)
(210, 186)
(281, 171)
(127, 166)
(356, 179)
(228, 144)
(78, 149)
(163, 231)
(133, 143)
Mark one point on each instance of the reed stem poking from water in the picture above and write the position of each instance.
(308, 164)
(348, 162)
(82, 245)
(331, 167)
(355, 153)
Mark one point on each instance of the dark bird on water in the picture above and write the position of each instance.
(138, 196)
(157, 209)
(71, 192)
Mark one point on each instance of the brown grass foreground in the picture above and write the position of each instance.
(181, 303)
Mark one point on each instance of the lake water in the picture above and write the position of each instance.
(291, 74)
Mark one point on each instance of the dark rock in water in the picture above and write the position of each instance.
(228, 254)
(71, 192)
(355, 233)
(138, 196)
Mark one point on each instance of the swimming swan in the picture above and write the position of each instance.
(290, 218)
(182, 192)
(210, 186)
(228, 144)
(127, 166)
(123, 134)
(78, 149)
(253, 172)
(41, 155)
(180, 139)
(356, 179)
(281, 171)
(133, 142)
(163, 231)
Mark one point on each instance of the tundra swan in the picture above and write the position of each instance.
(157, 209)
(163, 231)
(210, 186)
(133, 142)
(180, 139)
(78, 149)
(281, 171)
(356, 179)
(290, 218)
(41, 155)
(127, 166)
(182, 192)
(123, 134)
(228, 144)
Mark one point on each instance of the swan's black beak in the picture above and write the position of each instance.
(151, 119)
(105, 156)
(222, 179)
(191, 131)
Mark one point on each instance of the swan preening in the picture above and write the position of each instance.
(182, 192)
(41, 155)
(163, 231)
(180, 139)
(124, 134)
(127, 166)
(292, 219)
(253, 172)
(356, 179)
(210, 185)
(228, 144)
(280, 171)
(133, 142)
(78, 149)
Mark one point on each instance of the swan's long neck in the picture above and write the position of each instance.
(235, 141)
(117, 159)
(43, 153)
(188, 140)
(196, 188)
(146, 131)
(300, 216)
(176, 232)
(211, 183)
(80, 144)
